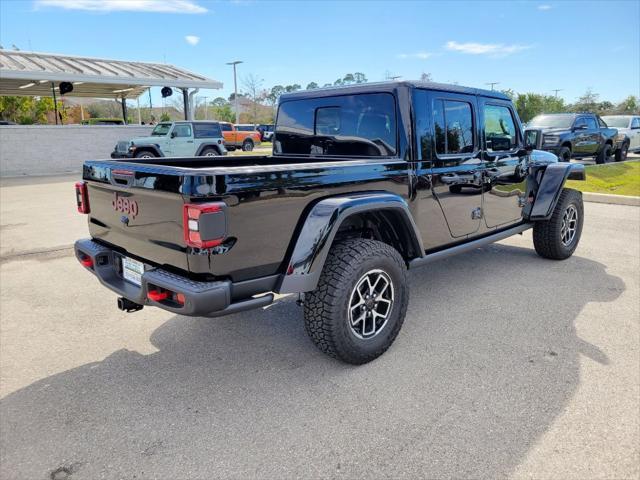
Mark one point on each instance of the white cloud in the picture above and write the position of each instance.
(192, 39)
(544, 7)
(418, 55)
(491, 49)
(155, 6)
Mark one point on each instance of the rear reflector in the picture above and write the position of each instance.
(86, 261)
(82, 197)
(204, 224)
(157, 296)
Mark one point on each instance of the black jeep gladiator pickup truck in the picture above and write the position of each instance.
(364, 183)
(574, 135)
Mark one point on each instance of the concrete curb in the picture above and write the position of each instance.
(611, 199)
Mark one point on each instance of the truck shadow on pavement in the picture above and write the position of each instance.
(487, 359)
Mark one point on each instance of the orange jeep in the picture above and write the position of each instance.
(238, 138)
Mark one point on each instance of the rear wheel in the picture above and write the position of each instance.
(209, 152)
(564, 155)
(145, 154)
(247, 146)
(359, 305)
(558, 237)
(605, 155)
(622, 152)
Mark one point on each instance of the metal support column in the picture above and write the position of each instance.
(185, 101)
(124, 110)
(55, 101)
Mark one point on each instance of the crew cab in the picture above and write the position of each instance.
(575, 135)
(175, 139)
(629, 130)
(238, 137)
(358, 190)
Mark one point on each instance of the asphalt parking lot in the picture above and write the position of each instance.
(508, 366)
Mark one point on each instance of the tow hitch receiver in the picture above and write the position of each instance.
(128, 306)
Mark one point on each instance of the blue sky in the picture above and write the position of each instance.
(526, 46)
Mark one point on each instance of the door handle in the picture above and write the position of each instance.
(189, 141)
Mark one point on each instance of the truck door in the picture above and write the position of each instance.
(583, 139)
(593, 136)
(504, 170)
(457, 166)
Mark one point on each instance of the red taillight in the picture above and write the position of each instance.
(204, 224)
(82, 197)
(180, 298)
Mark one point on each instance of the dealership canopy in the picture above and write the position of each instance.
(32, 74)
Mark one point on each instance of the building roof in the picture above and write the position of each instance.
(31, 74)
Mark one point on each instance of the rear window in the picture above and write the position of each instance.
(351, 125)
(206, 130)
(245, 128)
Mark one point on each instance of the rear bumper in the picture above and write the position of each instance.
(201, 299)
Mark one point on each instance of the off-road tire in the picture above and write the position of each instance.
(564, 155)
(146, 154)
(622, 152)
(210, 152)
(326, 308)
(605, 155)
(247, 146)
(547, 234)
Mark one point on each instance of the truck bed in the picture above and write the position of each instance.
(265, 196)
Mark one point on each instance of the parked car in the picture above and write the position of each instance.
(575, 135)
(629, 129)
(238, 136)
(355, 193)
(266, 132)
(175, 139)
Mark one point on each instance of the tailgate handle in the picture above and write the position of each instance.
(123, 178)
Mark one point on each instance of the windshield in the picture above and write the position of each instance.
(161, 129)
(552, 121)
(617, 122)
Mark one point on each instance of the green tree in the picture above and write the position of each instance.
(219, 102)
(274, 94)
(531, 104)
(312, 86)
(360, 77)
(292, 88)
(223, 113)
(165, 117)
(630, 105)
(588, 102)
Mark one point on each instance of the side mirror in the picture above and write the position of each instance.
(173, 134)
(532, 139)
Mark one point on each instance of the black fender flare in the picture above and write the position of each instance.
(319, 230)
(550, 186)
(207, 145)
(154, 148)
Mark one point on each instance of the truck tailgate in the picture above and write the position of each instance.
(135, 213)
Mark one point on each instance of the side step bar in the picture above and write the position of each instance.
(465, 247)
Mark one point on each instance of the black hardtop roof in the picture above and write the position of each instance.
(389, 87)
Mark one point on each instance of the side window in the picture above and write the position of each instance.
(182, 130)
(635, 123)
(423, 130)
(500, 134)
(601, 123)
(226, 127)
(579, 122)
(206, 130)
(453, 125)
(591, 123)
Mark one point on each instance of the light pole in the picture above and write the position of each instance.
(235, 88)
(492, 84)
(205, 108)
(556, 90)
